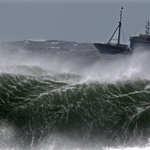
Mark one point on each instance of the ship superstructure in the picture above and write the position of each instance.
(141, 41)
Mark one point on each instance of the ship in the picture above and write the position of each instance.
(142, 41)
(114, 48)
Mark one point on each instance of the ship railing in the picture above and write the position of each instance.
(120, 45)
(144, 36)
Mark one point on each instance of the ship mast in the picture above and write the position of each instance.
(147, 27)
(119, 26)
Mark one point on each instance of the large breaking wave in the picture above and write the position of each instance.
(61, 107)
(105, 105)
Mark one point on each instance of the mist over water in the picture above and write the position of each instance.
(76, 58)
(57, 95)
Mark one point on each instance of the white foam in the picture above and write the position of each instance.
(129, 148)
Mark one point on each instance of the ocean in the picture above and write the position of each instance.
(59, 95)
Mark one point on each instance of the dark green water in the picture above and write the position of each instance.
(39, 109)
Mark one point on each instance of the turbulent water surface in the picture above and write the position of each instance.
(57, 95)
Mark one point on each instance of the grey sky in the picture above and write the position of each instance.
(74, 20)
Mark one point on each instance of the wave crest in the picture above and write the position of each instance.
(44, 105)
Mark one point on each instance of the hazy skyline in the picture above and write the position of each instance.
(80, 21)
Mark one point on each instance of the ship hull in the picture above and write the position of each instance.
(137, 43)
(111, 49)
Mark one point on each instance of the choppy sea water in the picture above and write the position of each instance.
(57, 95)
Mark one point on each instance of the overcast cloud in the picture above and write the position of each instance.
(81, 21)
(73, 0)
